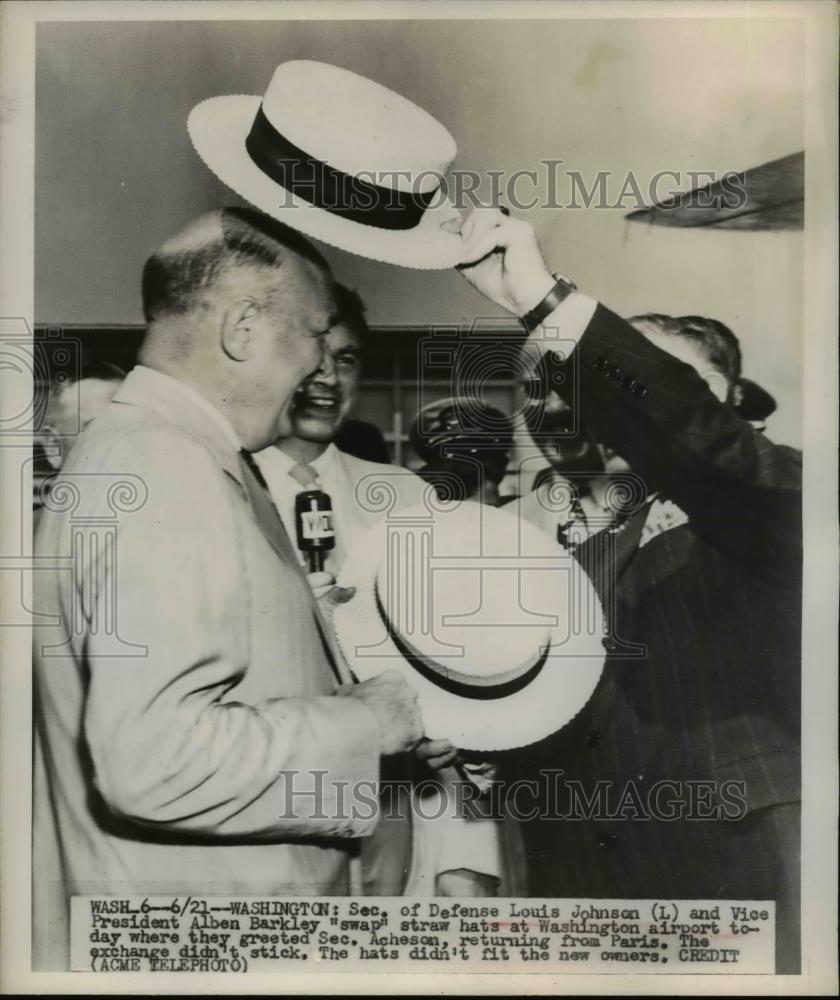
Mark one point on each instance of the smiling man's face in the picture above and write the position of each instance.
(325, 400)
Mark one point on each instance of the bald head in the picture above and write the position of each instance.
(190, 262)
(237, 305)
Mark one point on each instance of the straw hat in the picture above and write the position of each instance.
(338, 157)
(496, 626)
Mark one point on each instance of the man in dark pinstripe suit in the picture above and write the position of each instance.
(682, 775)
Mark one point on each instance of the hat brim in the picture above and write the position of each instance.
(552, 699)
(218, 128)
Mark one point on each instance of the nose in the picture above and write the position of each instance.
(326, 372)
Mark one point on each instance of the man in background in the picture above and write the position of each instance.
(451, 856)
(570, 497)
(466, 446)
(195, 731)
(72, 404)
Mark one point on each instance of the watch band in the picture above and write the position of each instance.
(563, 287)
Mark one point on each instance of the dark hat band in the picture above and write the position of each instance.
(323, 186)
(479, 689)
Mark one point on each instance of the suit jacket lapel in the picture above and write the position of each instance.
(167, 398)
(272, 527)
(267, 517)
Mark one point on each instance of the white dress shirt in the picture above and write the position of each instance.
(276, 466)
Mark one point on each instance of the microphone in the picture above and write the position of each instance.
(314, 524)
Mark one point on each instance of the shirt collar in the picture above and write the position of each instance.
(213, 413)
(281, 463)
(325, 462)
(186, 408)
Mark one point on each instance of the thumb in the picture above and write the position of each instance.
(339, 595)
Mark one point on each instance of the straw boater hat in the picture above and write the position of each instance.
(493, 623)
(338, 157)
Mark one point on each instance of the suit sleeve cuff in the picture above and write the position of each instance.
(562, 329)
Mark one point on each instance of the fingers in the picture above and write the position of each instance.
(436, 754)
(395, 704)
(321, 583)
(465, 882)
(324, 589)
(482, 218)
(338, 595)
(431, 748)
(453, 224)
(388, 677)
(487, 231)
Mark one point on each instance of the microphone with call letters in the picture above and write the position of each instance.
(314, 523)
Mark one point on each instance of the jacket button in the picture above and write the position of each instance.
(639, 390)
(599, 364)
(607, 841)
(628, 382)
(592, 738)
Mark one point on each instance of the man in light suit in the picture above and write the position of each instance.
(189, 739)
(451, 857)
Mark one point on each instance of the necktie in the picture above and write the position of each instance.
(304, 474)
(272, 527)
(307, 477)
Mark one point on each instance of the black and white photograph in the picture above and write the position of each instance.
(419, 519)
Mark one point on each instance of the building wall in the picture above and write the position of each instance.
(116, 172)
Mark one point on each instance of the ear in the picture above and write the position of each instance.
(238, 330)
(718, 383)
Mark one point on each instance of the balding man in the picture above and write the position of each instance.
(189, 737)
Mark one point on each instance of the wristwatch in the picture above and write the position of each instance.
(563, 287)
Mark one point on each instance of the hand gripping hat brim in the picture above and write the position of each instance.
(522, 619)
(339, 158)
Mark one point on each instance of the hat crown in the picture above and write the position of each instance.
(463, 591)
(392, 142)
(496, 663)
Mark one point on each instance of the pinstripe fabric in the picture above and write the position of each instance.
(716, 697)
